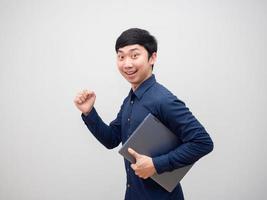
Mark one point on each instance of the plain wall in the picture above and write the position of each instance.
(212, 55)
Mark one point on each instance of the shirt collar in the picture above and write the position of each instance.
(144, 87)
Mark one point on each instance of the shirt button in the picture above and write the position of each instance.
(128, 119)
(128, 185)
(131, 102)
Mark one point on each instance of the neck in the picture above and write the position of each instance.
(135, 86)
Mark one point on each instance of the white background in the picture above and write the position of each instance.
(212, 55)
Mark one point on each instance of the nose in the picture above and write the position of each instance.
(127, 63)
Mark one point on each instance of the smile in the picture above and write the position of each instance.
(130, 73)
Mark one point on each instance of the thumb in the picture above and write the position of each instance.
(89, 93)
(133, 153)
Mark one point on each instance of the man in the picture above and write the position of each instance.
(136, 55)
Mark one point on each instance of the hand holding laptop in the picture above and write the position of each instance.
(151, 139)
(143, 167)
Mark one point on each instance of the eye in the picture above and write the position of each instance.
(135, 55)
(120, 57)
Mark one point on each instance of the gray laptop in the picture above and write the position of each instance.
(152, 138)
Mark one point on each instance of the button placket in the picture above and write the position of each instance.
(129, 117)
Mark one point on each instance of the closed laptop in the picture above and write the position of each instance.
(152, 138)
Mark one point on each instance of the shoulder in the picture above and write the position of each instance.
(160, 100)
(161, 94)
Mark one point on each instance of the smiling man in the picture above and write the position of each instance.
(135, 64)
(136, 55)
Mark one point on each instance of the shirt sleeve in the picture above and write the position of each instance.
(108, 135)
(195, 141)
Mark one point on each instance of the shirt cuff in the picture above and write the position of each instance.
(161, 163)
(91, 117)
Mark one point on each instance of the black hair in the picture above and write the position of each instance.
(137, 36)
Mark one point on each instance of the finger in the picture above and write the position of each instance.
(136, 172)
(77, 100)
(141, 175)
(80, 93)
(89, 94)
(82, 98)
(85, 93)
(134, 167)
(133, 153)
(80, 101)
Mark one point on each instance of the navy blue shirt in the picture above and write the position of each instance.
(152, 97)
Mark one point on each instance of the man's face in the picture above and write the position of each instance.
(134, 65)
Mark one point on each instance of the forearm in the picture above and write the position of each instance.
(195, 141)
(109, 136)
(186, 154)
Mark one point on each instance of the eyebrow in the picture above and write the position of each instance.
(120, 51)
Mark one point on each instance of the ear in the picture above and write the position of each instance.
(153, 58)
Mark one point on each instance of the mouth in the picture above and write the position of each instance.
(130, 73)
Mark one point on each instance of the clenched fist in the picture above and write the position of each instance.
(84, 101)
